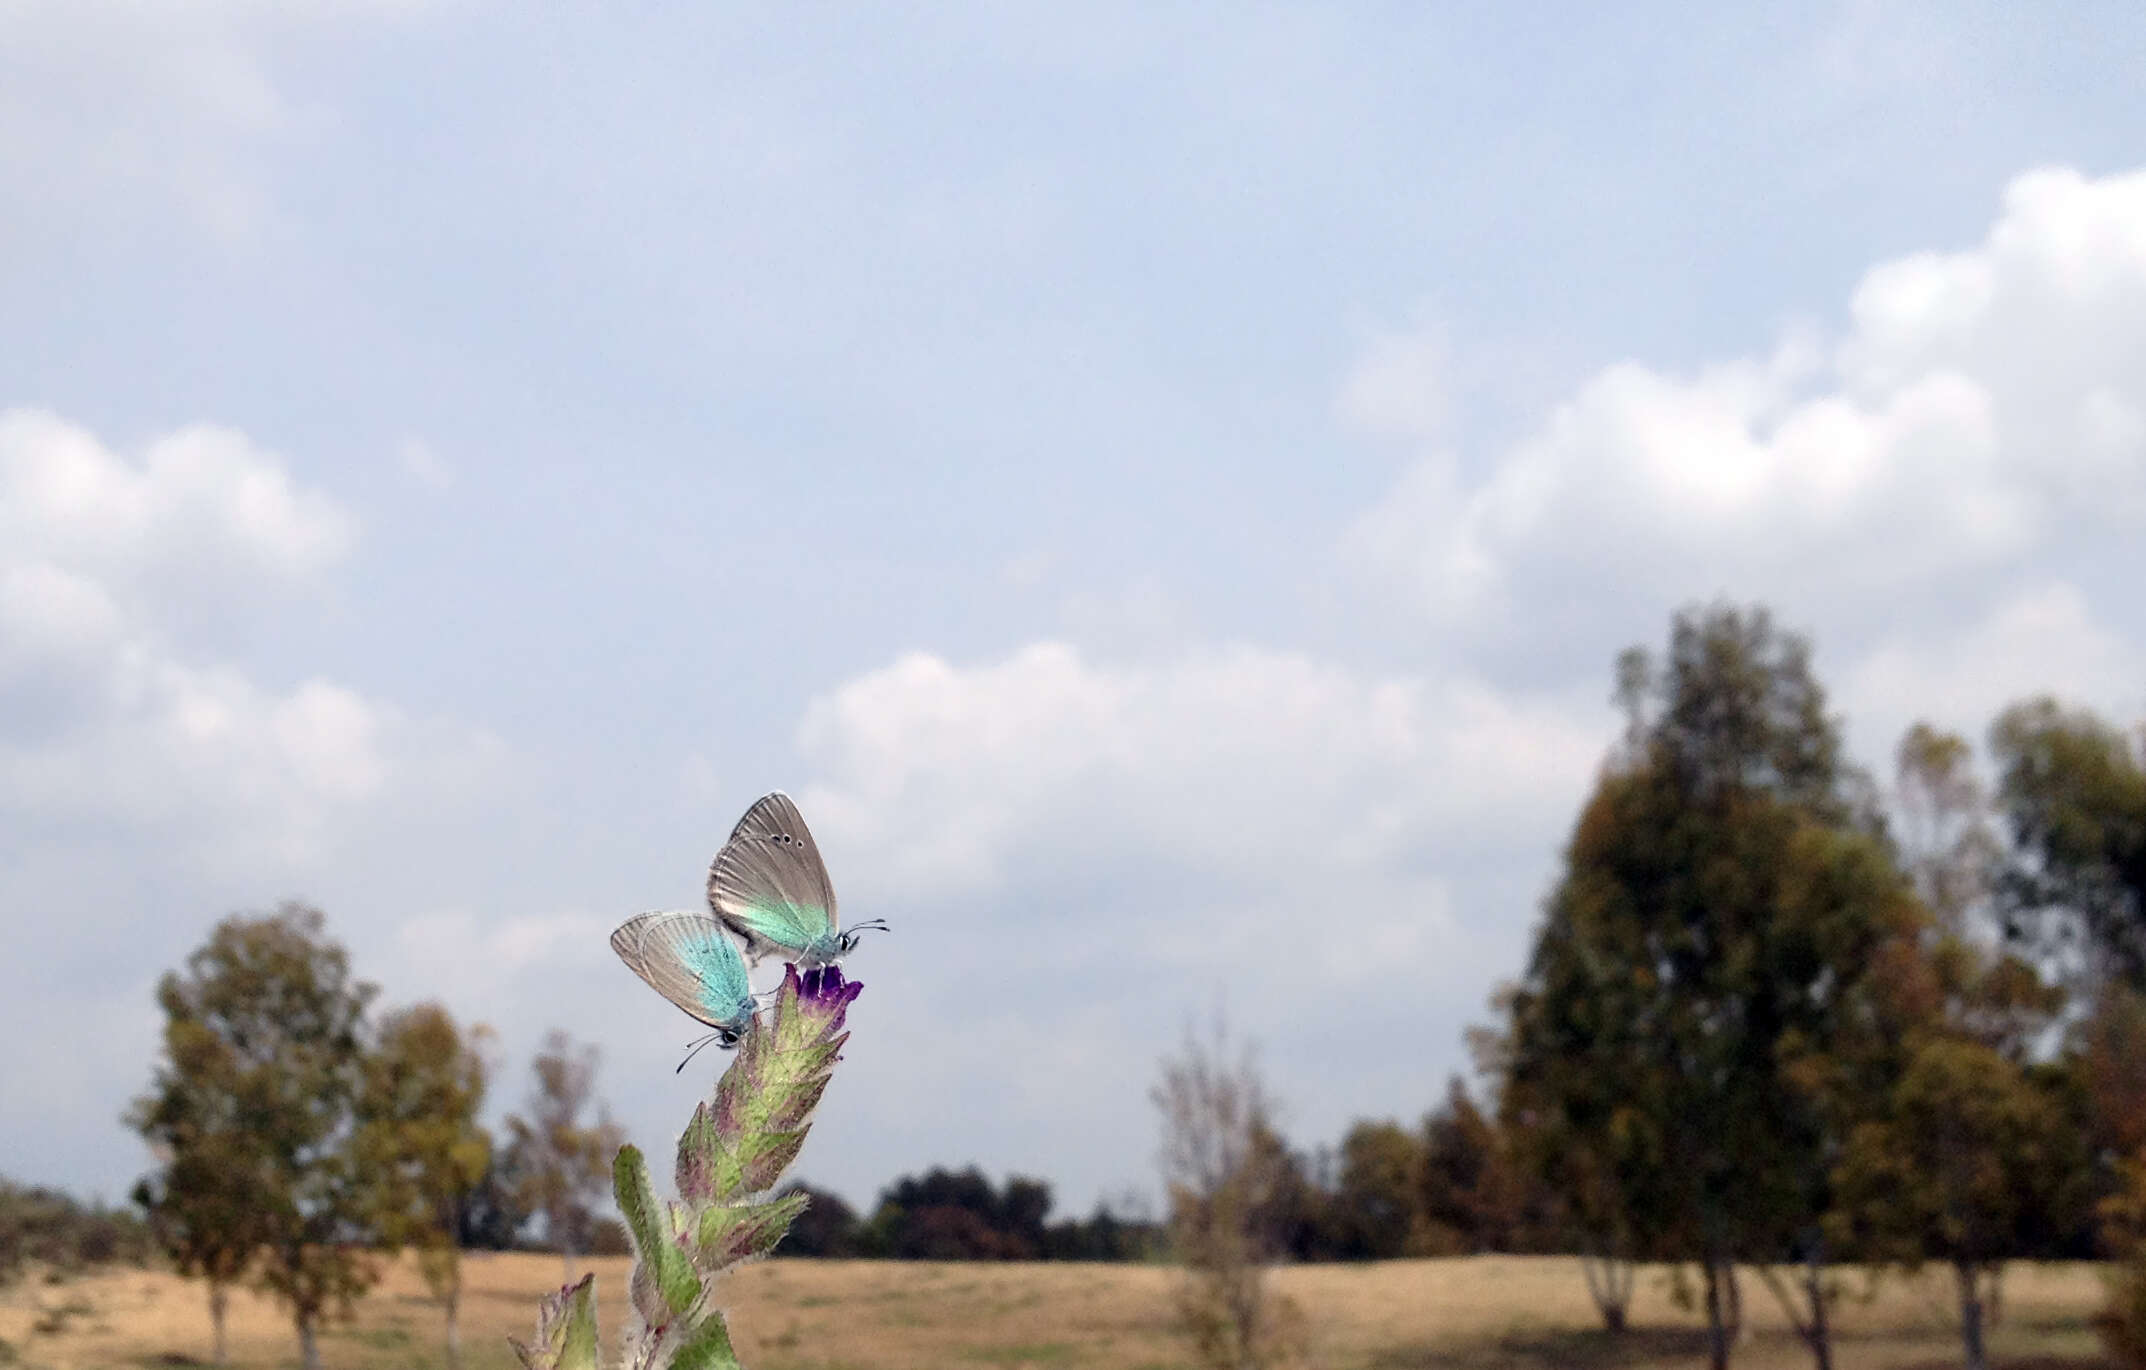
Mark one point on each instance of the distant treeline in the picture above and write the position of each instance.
(57, 1231)
(959, 1215)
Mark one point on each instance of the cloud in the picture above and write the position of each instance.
(113, 713)
(1982, 407)
(2042, 639)
(201, 504)
(1081, 853)
(1251, 766)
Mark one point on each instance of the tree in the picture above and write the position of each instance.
(1380, 1195)
(2072, 789)
(54, 1229)
(422, 1144)
(1220, 1177)
(1966, 1158)
(1962, 1155)
(1707, 953)
(827, 1227)
(1473, 1186)
(2073, 792)
(560, 1164)
(201, 1205)
(255, 1110)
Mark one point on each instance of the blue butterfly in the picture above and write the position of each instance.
(769, 886)
(688, 959)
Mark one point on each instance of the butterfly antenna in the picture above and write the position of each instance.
(695, 1051)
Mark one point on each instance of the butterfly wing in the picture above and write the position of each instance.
(770, 887)
(688, 959)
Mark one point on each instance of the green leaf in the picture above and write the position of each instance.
(566, 1331)
(707, 1347)
(659, 1255)
(730, 1233)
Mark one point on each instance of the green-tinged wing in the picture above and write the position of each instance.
(768, 884)
(688, 959)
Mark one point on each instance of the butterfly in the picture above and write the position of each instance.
(769, 886)
(688, 959)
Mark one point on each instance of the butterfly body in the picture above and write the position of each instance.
(770, 887)
(688, 959)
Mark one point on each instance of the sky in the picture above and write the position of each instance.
(1163, 485)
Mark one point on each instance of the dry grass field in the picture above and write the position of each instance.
(1487, 1313)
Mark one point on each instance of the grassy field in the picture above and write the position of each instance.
(1485, 1313)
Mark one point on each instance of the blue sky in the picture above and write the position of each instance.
(1162, 485)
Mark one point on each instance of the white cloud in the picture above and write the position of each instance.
(1982, 407)
(1242, 768)
(1082, 853)
(2042, 639)
(202, 504)
(111, 714)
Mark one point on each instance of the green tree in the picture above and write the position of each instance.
(559, 1162)
(255, 1110)
(1708, 955)
(2072, 789)
(1961, 1167)
(1380, 1194)
(201, 1204)
(422, 1145)
(2073, 792)
(1965, 1157)
(1472, 1186)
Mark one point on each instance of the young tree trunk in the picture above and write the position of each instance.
(1820, 1335)
(1609, 1284)
(1993, 1304)
(1718, 1335)
(1812, 1317)
(454, 1329)
(1732, 1297)
(308, 1343)
(219, 1304)
(1964, 1275)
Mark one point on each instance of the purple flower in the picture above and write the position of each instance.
(822, 993)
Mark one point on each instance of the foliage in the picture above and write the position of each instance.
(47, 1228)
(1709, 969)
(2073, 792)
(826, 1228)
(254, 1114)
(730, 1156)
(421, 1144)
(555, 1163)
(1222, 1166)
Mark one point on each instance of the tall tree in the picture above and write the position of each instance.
(423, 1146)
(264, 1064)
(1725, 898)
(1960, 1154)
(560, 1161)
